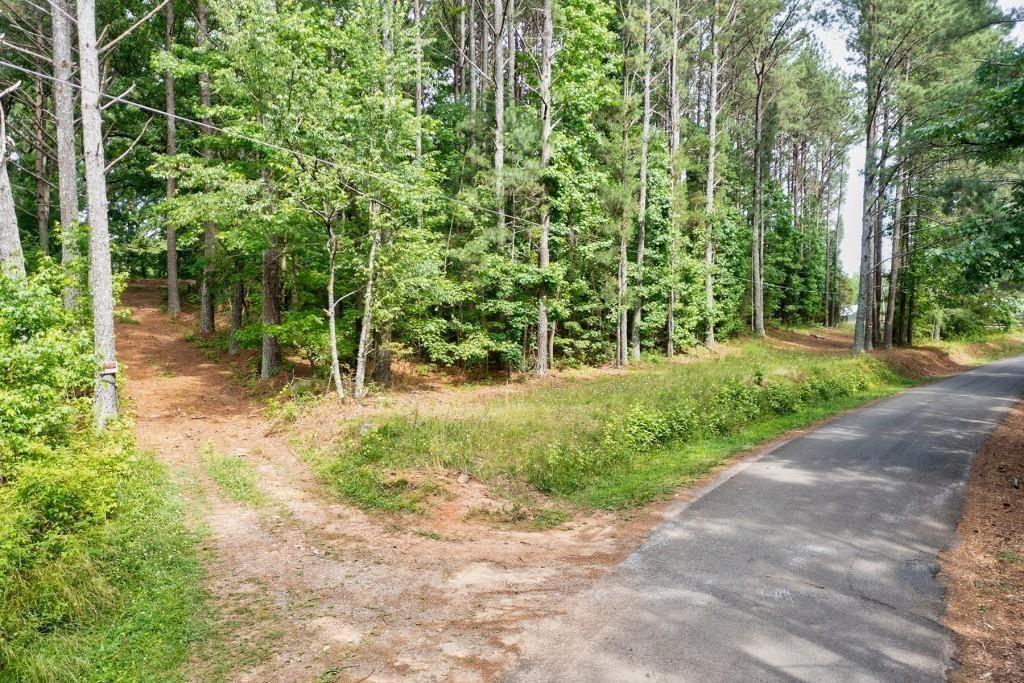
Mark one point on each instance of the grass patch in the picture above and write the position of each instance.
(114, 599)
(364, 483)
(426, 533)
(613, 440)
(235, 476)
(1010, 557)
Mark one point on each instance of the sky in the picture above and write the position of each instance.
(834, 40)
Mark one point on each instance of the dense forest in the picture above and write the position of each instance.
(354, 189)
(510, 185)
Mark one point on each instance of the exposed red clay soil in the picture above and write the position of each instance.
(305, 586)
(984, 574)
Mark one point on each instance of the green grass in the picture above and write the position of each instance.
(613, 440)
(1009, 556)
(116, 601)
(235, 476)
(364, 483)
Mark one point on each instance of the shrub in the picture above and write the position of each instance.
(98, 579)
(46, 369)
(737, 402)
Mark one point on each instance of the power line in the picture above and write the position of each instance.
(270, 145)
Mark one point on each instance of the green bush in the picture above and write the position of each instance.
(98, 579)
(733, 405)
(46, 369)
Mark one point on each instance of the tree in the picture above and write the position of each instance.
(64, 126)
(771, 41)
(173, 302)
(645, 139)
(207, 318)
(543, 249)
(12, 261)
(101, 285)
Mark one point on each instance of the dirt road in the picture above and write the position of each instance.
(305, 588)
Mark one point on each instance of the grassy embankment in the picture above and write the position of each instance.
(99, 578)
(620, 440)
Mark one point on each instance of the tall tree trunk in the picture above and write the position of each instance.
(100, 275)
(12, 259)
(485, 52)
(622, 341)
(677, 179)
(459, 72)
(510, 19)
(473, 67)
(862, 331)
(41, 165)
(270, 359)
(332, 307)
(499, 114)
(417, 10)
(909, 340)
(709, 244)
(894, 263)
(645, 134)
(207, 321)
(173, 300)
(366, 327)
(622, 314)
(382, 357)
(544, 257)
(876, 270)
(757, 271)
(237, 312)
(64, 118)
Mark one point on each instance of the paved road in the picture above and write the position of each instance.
(816, 562)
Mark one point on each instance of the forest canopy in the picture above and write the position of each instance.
(511, 185)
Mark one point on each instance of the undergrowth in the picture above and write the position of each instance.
(611, 441)
(235, 475)
(99, 580)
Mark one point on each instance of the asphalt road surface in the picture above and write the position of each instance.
(817, 562)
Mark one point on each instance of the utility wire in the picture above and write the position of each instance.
(270, 145)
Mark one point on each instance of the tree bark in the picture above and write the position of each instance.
(641, 236)
(382, 357)
(237, 313)
(270, 359)
(621, 339)
(894, 263)
(332, 307)
(861, 331)
(709, 244)
(677, 179)
(757, 267)
(876, 271)
(499, 114)
(511, 20)
(64, 118)
(12, 259)
(100, 274)
(173, 299)
(472, 68)
(366, 326)
(207, 319)
(459, 72)
(41, 166)
(544, 257)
